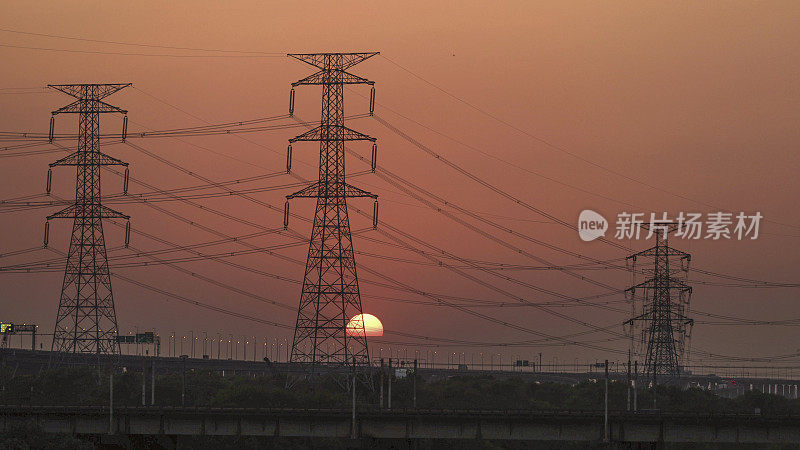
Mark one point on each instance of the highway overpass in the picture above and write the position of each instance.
(169, 425)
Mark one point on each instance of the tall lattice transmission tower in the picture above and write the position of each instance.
(86, 321)
(330, 296)
(659, 326)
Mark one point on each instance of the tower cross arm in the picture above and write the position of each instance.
(315, 191)
(643, 316)
(318, 59)
(74, 211)
(78, 90)
(79, 159)
(343, 77)
(338, 132)
(653, 283)
(99, 106)
(352, 191)
(664, 251)
(310, 191)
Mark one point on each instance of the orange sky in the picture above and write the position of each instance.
(699, 100)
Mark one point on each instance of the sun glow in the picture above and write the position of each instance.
(364, 324)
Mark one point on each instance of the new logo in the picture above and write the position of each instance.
(591, 225)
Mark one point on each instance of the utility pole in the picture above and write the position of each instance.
(330, 294)
(654, 391)
(635, 384)
(353, 433)
(382, 371)
(111, 402)
(629, 380)
(389, 394)
(153, 384)
(605, 414)
(144, 379)
(183, 382)
(86, 320)
(415, 384)
(661, 319)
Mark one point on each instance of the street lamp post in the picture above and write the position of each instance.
(183, 381)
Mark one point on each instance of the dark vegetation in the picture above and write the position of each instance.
(79, 386)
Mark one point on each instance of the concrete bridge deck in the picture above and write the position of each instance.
(586, 426)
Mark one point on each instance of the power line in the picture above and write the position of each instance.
(297, 262)
(21, 252)
(285, 326)
(167, 55)
(208, 130)
(195, 116)
(362, 158)
(441, 251)
(258, 144)
(505, 162)
(382, 172)
(227, 286)
(503, 323)
(557, 147)
(486, 184)
(450, 204)
(135, 44)
(120, 262)
(274, 208)
(31, 88)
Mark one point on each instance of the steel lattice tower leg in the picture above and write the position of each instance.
(664, 325)
(330, 296)
(86, 320)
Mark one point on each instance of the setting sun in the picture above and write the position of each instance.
(364, 324)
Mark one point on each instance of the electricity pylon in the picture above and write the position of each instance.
(663, 325)
(330, 296)
(86, 321)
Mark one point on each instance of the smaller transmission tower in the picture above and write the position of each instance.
(86, 320)
(661, 322)
(330, 296)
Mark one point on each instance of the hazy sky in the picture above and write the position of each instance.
(644, 107)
